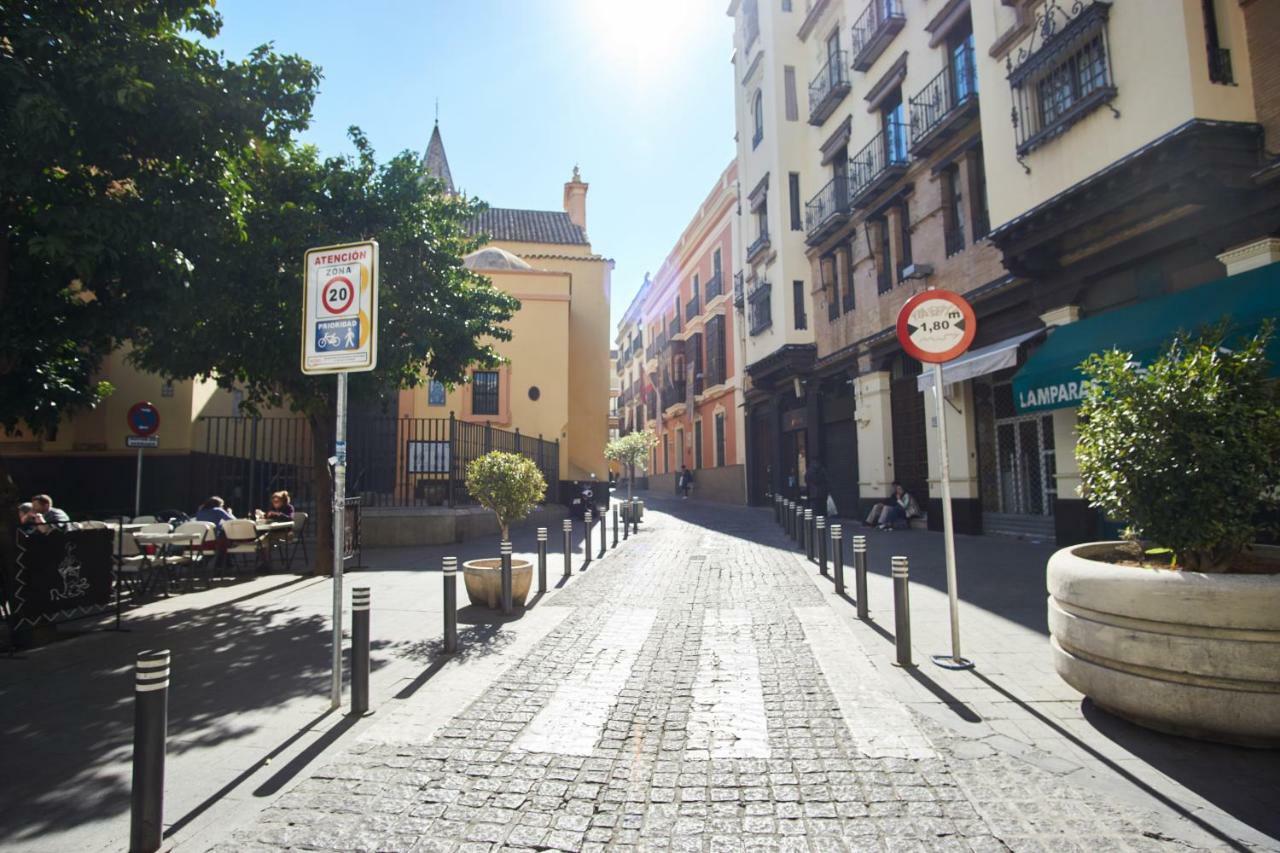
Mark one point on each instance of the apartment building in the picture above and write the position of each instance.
(680, 355)
(1057, 163)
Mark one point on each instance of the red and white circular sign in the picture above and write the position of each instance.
(338, 294)
(936, 326)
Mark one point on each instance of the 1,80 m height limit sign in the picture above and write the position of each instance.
(340, 336)
(340, 309)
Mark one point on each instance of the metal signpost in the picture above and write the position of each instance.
(934, 327)
(144, 422)
(340, 335)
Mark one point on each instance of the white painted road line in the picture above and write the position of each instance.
(728, 717)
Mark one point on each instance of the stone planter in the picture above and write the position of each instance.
(1181, 652)
(484, 581)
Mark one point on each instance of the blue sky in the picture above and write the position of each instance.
(639, 94)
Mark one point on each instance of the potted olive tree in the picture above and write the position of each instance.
(1178, 626)
(631, 450)
(510, 485)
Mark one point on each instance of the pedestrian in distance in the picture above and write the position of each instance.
(898, 507)
(818, 487)
(685, 482)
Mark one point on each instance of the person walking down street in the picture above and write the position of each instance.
(685, 482)
(898, 507)
(818, 487)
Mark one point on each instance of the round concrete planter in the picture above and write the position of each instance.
(1182, 652)
(484, 581)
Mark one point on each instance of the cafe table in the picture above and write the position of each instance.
(166, 541)
(266, 528)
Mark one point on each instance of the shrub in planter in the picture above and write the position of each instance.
(1187, 450)
(509, 484)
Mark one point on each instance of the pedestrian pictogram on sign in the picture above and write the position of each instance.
(340, 308)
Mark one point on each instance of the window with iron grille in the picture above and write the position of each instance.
(884, 257)
(719, 439)
(1067, 77)
(484, 392)
(716, 368)
(760, 307)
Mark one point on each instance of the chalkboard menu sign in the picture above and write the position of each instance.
(59, 575)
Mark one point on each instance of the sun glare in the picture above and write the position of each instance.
(649, 39)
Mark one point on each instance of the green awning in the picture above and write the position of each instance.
(1051, 378)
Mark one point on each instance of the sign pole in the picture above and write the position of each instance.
(339, 529)
(137, 488)
(948, 530)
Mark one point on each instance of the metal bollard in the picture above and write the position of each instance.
(615, 525)
(837, 556)
(586, 540)
(820, 534)
(860, 574)
(901, 612)
(600, 518)
(777, 509)
(359, 651)
(799, 523)
(626, 521)
(808, 534)
(568, 547)
(150, 729)
(788, 517)
(504, 549)
(542, 559)
(450, 574)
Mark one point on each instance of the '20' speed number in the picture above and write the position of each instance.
(337, 295)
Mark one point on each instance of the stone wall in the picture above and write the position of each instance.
(723, 485)
(401, 526)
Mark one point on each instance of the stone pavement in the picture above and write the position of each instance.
(700, 689)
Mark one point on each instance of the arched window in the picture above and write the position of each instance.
(757, 112)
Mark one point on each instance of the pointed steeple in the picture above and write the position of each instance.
(435, 161)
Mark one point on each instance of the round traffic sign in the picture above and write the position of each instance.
(144, 419)
(936, 326)
(337, 294)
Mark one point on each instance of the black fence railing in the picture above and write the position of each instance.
(942, 98)
(1220, 66)
(391, 462)
(739, 297)
(883, 160)
(715, 286)
(692, 307)
(829, 206)
(828, 88)
(760, 308)
(879, 22)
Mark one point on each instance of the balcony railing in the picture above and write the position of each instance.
(760, 306)
(739, 298)
(941, 106)
(874, 29)
(715, 287)
(828, 89)
(673, 394)
(692, 308)
(827, 210)
(673, 327)
(882, 162)
(758, 247)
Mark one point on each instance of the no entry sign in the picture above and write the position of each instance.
(340, 308)
(936, 326)
(144, 419)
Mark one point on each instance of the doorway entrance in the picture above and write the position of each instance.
(1018, 468)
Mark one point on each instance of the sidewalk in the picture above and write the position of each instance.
(249, 697)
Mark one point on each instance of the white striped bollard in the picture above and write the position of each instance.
(799, 525)
(837, 556)
(359, 651)
(787, 515)
(542, 559)
(450, 573)
(820, 534)
(615, 525)
(568, 547)
(860, 574)
(626, 520)
(504, 549)
(150, 729)
(901, 612)
(777, 509)
(808, 534)
(586, 541)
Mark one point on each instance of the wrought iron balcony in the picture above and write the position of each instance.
(697, 384)
(673, 327)
(874, 29)
(879, 164)
(828, 89)
(692, 308)
(760, 307)
(673, 393)
(827, 210)
(714, 287)
(942, 106)
(739, 299)
(758, 248)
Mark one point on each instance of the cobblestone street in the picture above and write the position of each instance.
(700, 694)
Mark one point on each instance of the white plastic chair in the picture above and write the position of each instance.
(242, 537)
(294, 540)
(193, 554)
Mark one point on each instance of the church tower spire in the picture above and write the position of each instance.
(435, 161)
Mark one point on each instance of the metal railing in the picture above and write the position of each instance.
(715, 286)
(391, 462)
(881, 160)
(873, 29)
(759, 244)
(953, 238)
(739, 298)
(760, 307)
(953, 87)
(692, 308)
(673, 325)
(1220, 66)
(828, 88)
(827, 205)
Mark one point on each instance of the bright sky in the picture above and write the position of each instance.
(639, 94)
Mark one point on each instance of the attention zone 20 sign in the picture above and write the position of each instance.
(340, 308)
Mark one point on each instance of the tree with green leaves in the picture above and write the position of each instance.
(632, 450)
(508, 484)
(436, 317)
(1186, 449)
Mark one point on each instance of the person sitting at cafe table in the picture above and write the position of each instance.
(214, 511)
(28, 518)
(43, 504)
(281, 510)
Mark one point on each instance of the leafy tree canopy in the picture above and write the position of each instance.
(509, 484)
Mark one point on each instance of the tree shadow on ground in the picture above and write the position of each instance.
(70, 727)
